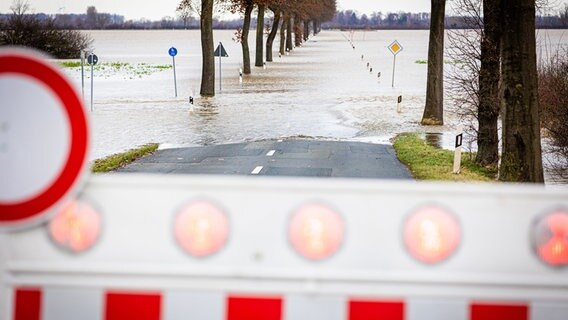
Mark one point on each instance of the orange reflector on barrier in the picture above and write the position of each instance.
(76, 227)
(316, 232)
(431, 234)
(550, 237)
(201, 228)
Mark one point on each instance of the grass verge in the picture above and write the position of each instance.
(118, 160)
(70, 64)
(429, 163)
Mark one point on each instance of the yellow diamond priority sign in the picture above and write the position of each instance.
(395, 47)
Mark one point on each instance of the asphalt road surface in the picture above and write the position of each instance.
(299, 158)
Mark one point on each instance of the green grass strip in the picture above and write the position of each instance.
(70, 64)
(429, 163)
(118, 160)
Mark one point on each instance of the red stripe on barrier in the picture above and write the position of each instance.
(132, 305)
(489, 311)
(257, 308)
(376, 310)
(27, 302)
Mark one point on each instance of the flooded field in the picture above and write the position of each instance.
(322, 90)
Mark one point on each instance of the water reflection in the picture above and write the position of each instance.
(434, 139)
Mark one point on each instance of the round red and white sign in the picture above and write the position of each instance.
(44, 138)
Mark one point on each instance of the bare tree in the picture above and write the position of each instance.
(184, 13)
(462, 76)
(205, 9)
(489, 91)
(272, 34)
(564, 16)
(259, 57)
(434, 108)
(522, 156)
(20, 7)
(24, 29)
(249, 6)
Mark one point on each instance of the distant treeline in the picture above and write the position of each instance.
(108, 21)
(347, 19)
(96, 20)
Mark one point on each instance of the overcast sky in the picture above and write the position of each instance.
(156, 9)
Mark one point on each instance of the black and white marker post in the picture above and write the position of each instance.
(240, 75)
(399, 105)
(173, 52)
(220, 52)
(458, 152)
(92, 60)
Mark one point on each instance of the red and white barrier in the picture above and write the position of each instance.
(96, 304)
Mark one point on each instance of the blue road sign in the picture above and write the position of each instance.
(92, 59)
(173, 51)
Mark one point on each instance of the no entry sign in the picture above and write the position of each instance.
(44, 138)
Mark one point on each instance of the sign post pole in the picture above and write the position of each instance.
(220, 52)
(83, 74)
(92, 59)
(175, 80)
(173, 52)
(91, 88)
(393, 69)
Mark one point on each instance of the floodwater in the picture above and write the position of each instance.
(322, 90)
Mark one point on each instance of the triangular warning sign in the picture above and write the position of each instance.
(220, 51)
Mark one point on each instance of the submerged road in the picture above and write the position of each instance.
(313, 158)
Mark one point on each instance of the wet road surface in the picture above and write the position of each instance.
(313, 158)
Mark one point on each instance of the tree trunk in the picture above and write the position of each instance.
(244, 38)
(289, 45)
(315, 26)
(207, 49)
(489, 94)
(522, 157)
(306, 30)
(272, 35)
(283, 35)
(434, 109)
(259, 62)
(297, 32)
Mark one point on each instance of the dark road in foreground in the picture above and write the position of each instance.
(307, 158)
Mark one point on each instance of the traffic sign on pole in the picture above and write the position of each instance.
(220, 52)
(395, 48)
(44, 138)
(173, 52)
(92, 60)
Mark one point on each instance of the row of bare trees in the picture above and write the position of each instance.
(507, 87)
(289, 16)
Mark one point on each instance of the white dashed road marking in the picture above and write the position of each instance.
(256, 170)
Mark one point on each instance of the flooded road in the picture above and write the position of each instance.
(322, 90)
